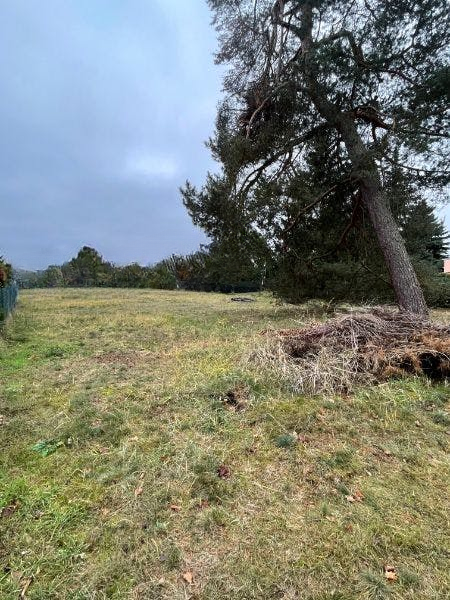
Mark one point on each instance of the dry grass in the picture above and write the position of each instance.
(162, 454)
(363, 347)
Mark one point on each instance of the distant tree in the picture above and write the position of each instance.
(87, 269)
(189, 270)
(162, 277)
(133, 275)
(52, 277)
(26, 279)
(238, 265)
(70, 274)
(364, 82)
(218, 268)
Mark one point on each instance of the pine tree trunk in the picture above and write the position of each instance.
(403, 277)
(404, 280)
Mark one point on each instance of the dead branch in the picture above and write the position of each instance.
(353, 219)
(359, 348)
(314, 203)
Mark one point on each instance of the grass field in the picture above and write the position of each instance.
(126, 474)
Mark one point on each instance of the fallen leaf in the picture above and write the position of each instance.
(203, 504)
(138, 491)
(358, 496)
(26, 584)
(175, 507)
(188, 577)
(224, 472)
(16, 575)
(7, 511)
(390, 573)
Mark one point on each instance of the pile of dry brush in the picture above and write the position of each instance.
(358, 348)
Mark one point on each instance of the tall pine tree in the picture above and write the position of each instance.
(363, 82)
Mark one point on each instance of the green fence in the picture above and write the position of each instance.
(8, 299)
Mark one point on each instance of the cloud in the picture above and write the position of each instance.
(150, 166)
(100, 122)
(104, 109)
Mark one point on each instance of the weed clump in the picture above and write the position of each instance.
(286, 440)
(359, 348)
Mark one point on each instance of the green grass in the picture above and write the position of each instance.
(122, 467)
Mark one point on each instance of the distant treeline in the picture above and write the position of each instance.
(89, 269)
(201, 270)
(309, 267)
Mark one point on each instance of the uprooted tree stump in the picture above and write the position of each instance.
(358, 348)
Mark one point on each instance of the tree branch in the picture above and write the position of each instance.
(355, 47)
(352, 222)
(312, 204)
(248, 182)
(416, 169)
(425, 131)
(291, 27)
(255, 113)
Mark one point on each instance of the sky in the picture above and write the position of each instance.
(104, 109)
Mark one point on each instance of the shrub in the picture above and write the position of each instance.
(5, 273)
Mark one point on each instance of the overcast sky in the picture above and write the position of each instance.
(104, 108)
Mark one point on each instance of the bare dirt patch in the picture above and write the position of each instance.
(236, 398)
(128, 358)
